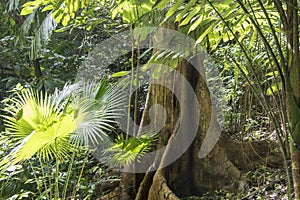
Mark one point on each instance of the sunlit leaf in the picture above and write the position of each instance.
(120, 74)
(124, 152)
(274, 88)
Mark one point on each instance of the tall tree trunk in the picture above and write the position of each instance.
(293, 90)
(191, 175)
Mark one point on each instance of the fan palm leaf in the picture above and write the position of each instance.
(100, 103)
(40, 127)
(51, 125)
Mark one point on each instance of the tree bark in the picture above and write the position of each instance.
(189, 175)
(293, 90)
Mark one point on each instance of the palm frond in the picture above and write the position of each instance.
(52, 125)
(96, 107)
(42, 34)
(13, 5)
(39, 26)
(41, 128)
(125, 152)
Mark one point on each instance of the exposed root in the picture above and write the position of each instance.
(160, 189)
(145, 186)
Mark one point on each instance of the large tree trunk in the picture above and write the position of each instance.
(223, 167)
(190, 175)
(293, 90)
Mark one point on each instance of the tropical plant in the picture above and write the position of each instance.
(41, 18)
(53, 126)
(267, 33)
(258, 29)
(124, 152)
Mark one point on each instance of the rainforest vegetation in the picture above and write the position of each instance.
(157, 100)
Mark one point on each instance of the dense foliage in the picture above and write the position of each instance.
(42, 44)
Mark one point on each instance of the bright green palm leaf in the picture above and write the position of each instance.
(48, 142)
(51, 126)
(38, 111)
(42, 128)
(125, 152)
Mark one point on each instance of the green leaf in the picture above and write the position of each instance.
(120, 74)
(27, 10)
(272, 74)
(65, 20)
(30, 6)
(161, 4)
(274, 88)
(124, 152)
(58, 15)
(42, 128)
(47, 8)
(185, 10)
(207, 31)
(48, 138)
(101, 89)
(76, 5)
(174, 8)
(117, 10)
(194, 12)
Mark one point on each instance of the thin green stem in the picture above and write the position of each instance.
(68, 175)
(49, 180)
(45, 177)
(80, 175)
(56, 190)
(131, 85)
(277, 43)
(36, 178)
(265, 41)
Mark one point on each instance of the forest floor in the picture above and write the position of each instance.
(264, 183)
